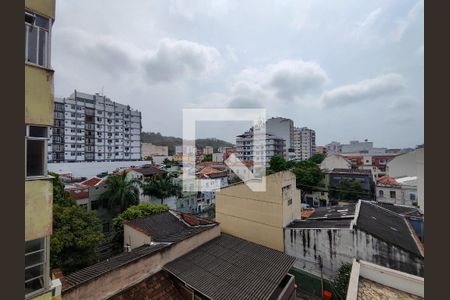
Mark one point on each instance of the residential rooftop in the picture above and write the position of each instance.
(228, 267)
(387, 226)
(167, 227)
(87, 274)
(332, 212)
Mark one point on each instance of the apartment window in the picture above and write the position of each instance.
(412, 197)
(37, 39)
(381, 193)
(94, 205)
(36, 269)
(289, 202)
(392, 194)
(36, 150)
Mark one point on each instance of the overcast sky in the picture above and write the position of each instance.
(348, 69)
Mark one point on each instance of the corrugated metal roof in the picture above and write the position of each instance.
(231, 268)
(94, 271)
(165, 227)
(387, 226)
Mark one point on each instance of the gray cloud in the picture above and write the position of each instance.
(371, 89)
(244, 102)
(296, 78)
(107, 54)
(177, 59)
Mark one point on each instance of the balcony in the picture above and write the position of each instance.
(38, 208)
(38, 95)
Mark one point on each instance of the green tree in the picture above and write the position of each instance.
(318, 157)
(161, 187)
(208, 157)
(122, 191)
(340, 282)
(60, 196)
(308, 176)
(277, 163)
(348, 189)
(76, 234)
(131, 213)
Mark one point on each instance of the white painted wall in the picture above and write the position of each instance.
(402, 165)
(334, 161)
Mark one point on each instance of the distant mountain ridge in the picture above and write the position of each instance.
(160, 140)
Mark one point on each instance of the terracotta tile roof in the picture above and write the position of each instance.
(92, 181)
(388, 181)
(307, 212)
(208, 170)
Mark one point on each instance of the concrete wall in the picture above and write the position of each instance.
(148, 149)
(38, 95)
(420, 163)
(402, 165)
(259, 217)
(388, 277)
(111, 283)
(338, 246)
(334, 162)
(402, 195)
(38, 208)
(43, 7)
(134, 237)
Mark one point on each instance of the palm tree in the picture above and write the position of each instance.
(161, 187)
(121, 191)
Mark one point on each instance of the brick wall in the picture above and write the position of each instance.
(158, 286)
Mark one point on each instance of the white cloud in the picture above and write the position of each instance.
(413, 14)
(370, 89)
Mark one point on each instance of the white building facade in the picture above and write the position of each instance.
(94, 128)
(262, 153)
(304, 143)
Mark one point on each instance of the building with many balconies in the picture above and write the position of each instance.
(94, 128)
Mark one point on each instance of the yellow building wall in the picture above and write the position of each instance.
(259, 217)
(43, 7)
(38, 96)
(46, 296)
(38, 208)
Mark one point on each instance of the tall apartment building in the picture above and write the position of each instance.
(247, 150)
(39, 18)
(94, 128)
(282, 128)
(304, 143)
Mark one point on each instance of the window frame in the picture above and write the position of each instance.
(45, 152)
(47, 47)
(45, 265)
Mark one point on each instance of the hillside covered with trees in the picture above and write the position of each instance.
(171, 141)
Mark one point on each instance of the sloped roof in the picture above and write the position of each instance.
(94, 271)
(231, 268)
(387, 226)
(166, 227)
(92, 181)
(388, 181)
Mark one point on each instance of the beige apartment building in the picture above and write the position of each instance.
(39, 18)
(148, 149)
(259, 217)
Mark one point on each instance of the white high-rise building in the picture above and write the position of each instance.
(257, 150)
(94, 128)
(304, 143)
